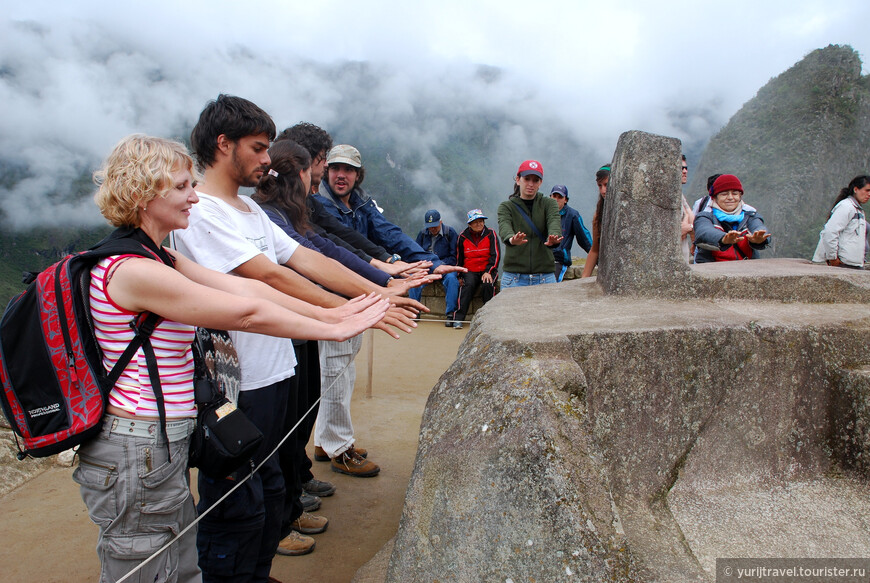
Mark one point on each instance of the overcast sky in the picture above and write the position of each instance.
(77, 76)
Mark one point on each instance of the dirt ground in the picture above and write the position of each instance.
(46, 536)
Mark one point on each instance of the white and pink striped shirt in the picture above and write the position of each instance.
(171, 342)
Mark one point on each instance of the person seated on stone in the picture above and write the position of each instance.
(843, 240)
(477, 250)
(602, 179)
(440, 239)
(572, 228)
(729, 231)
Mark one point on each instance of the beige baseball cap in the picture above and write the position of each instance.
(344, 154)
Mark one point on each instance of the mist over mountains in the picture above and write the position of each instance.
(445, 135)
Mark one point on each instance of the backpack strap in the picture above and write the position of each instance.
(528, 220)
(135, 241)
(144, 327)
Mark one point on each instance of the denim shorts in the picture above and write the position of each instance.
(511, 279)
(140, 499)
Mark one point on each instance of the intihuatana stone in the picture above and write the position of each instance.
(640, 229)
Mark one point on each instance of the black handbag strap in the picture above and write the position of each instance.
(528, 220)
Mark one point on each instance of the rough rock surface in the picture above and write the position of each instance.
(636, 436)
(640, 230)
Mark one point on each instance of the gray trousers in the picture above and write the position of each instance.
(334, 429)
(140, 500)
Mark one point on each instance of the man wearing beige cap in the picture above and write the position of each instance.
(342, 195)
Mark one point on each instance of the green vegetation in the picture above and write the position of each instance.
(37, 249)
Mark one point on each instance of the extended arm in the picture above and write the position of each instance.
(584, 239)
(144, 285)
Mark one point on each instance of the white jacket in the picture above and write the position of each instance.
(844, 235)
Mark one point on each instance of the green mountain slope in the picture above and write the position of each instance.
(795, 144)
(36, 250)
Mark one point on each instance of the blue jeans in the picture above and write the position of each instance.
(450, 281)
(510, 279)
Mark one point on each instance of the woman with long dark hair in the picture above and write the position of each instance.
(283, 194)
(602, 179)
(842, 242)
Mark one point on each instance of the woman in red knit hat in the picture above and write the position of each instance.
(729, 230)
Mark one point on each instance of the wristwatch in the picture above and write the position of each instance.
(393, 258)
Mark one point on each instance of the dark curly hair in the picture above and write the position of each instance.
(311, 137)
(232, 116)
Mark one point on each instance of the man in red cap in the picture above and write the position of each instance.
(529, 225)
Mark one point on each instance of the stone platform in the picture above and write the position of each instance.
(638, 425)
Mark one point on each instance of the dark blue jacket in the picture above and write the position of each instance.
(709, 232)
(315, 242)
(445, 243)
(572, 228)
(365, 217)
(326, 225)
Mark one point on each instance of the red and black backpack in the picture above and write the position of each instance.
(55, 387)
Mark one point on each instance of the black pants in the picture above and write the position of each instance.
(470, 282)
(237, 540)
(294, 460)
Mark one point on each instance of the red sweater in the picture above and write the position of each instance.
(478, 253)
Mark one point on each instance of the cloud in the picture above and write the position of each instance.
(553, 81)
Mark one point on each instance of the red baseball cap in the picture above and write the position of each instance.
(531, 167)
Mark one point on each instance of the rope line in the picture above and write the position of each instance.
(239, 484)
(246, 478)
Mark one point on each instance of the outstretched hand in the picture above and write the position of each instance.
(362, 320)
(405, 269)
(553, 240)
(400, 287)
(351, 307)
(408, 304)
(444, 268)
(758, 237)
(519, 238)
(731, 237)
(398, 318)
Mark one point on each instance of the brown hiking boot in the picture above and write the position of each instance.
(295, 544)
(310, 523)
(353, 464)
(320, 453)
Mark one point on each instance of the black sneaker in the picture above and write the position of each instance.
(309, 503)
(318, 488)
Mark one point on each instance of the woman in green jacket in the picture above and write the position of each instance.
(528, 224)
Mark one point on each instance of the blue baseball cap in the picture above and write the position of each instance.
(433, 217)
(561, 189)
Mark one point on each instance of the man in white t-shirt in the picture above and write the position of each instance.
(228, 232)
